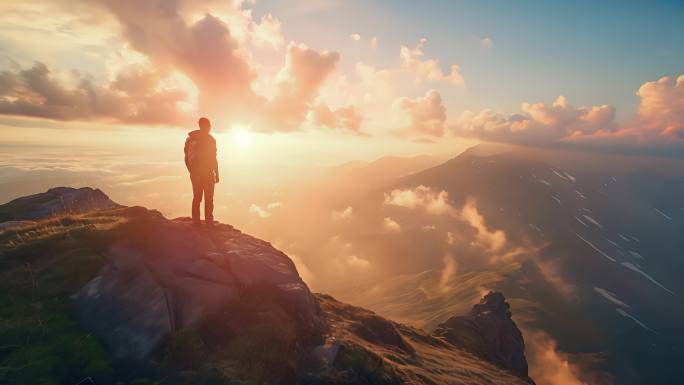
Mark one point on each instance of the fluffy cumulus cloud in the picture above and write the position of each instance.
(204, 50)
(207, 43)
(413, 59)
(267, 32)
(133, 97)
(658, 123)
(661, 109)
(427, 114)
(421, 197)
(391, 225)
(344, 117)
(298, 84)
(537, 123)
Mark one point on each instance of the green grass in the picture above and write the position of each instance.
(41, 265)
(255, 341)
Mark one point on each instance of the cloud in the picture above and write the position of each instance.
(298, 84)
(427, 114)
(657, 125)
(448, 272)
(204, 50)
(180, 39)
(413, 60)
(258, 211)
(549, 366)
(373, 43)
(347, 118)
(391, 225)
(133, 97)
(661, 108)
(421, 197)
(551, 272)
(537, 123)
(486, 43)
(267, 32)
(355, 261)
(345, 214)
(492, 240)
(355, 36)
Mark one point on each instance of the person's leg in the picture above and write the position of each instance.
(197, 187)
(209, 200)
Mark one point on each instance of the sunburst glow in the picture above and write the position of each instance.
(242, 136)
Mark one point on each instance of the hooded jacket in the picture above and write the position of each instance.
(200, 153)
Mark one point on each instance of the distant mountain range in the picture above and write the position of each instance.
(587, 246)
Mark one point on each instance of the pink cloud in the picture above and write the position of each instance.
(661, 108)
(537, 123)
(299, 81)
(427, 114)
(132, 97)
(428, 69)
(344, 117)
(204, 50)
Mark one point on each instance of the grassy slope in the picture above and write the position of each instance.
(252, 342)
(41, 265)
(371, 353)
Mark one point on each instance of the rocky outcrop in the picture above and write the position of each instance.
(364, 348)
(55, 201)
(490, 332)
(171, 276)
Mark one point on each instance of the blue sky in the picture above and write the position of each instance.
(593, 52)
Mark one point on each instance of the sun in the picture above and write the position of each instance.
(243, 136)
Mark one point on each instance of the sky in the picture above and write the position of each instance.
(325, 82)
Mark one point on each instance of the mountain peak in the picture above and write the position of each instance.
(56, 201)
(490, 332)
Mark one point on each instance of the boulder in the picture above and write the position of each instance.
(175, 275)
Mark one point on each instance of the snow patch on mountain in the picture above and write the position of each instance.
(597, 249)
(610, 296)
(635, 254)
(559, 174)
(669, 218)
(592, 220)
(632, 267)
(627, 315)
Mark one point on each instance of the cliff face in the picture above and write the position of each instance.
(123, 295)
(490, 332)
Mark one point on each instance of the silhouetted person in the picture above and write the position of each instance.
(200, 159)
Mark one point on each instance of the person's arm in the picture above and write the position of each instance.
(215, 164)
(185, 151)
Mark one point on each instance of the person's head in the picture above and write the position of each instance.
(204, 125)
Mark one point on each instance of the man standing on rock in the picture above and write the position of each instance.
(200, 159)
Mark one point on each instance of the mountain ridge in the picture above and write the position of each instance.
(124, 295)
